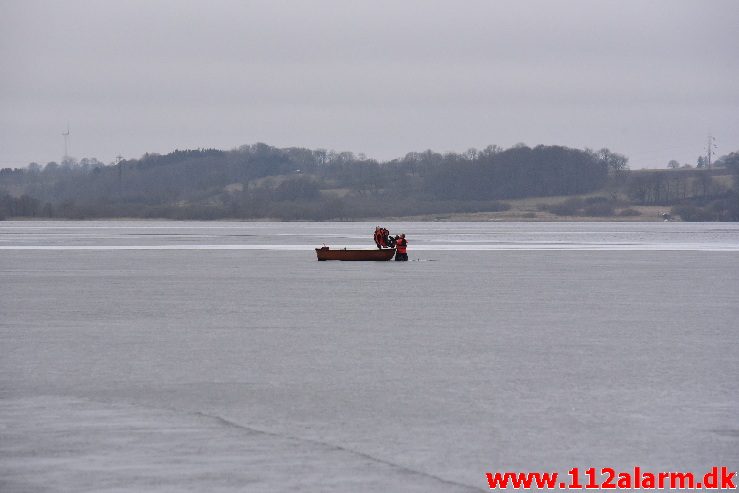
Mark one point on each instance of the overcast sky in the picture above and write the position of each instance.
(649, 79)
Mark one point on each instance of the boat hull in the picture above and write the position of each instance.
(326, 253)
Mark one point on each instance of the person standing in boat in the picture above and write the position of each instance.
(401, 252)
(378, 236)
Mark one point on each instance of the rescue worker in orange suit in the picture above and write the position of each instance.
(401, 252)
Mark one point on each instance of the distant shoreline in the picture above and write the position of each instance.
(461, 217)
(525, 210)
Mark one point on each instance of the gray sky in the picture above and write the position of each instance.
(646, 78)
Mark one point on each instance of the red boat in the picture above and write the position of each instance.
(325, 253)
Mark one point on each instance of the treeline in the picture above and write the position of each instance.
(23, 206)
(523, 172)
(693, 194)
(261, 181)
(674, 186)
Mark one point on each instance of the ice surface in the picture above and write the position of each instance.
(137, 235)
(210, 369)
(67, 444)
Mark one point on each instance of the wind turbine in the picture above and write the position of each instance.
(66, 143)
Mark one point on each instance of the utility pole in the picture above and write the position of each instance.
(710, 148)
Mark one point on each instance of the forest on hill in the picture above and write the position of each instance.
(264, 182)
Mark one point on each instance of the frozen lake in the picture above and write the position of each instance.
(183, 356)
